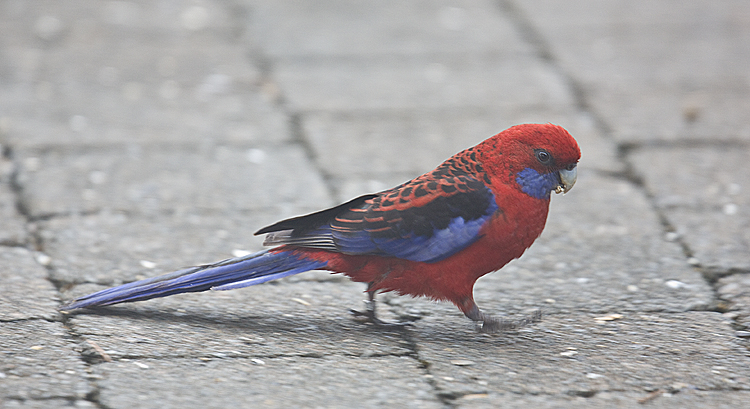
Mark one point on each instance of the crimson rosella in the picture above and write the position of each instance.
(432, 236)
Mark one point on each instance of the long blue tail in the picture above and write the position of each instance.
(225, 275)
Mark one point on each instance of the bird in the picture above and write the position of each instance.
(432, 236)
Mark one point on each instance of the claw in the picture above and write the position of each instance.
(370, 316)
(491, 324)
(487, 323)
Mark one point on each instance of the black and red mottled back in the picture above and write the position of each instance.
(426, 219)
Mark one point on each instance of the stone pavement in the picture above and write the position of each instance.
(140, 137)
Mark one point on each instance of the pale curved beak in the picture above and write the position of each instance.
(567, 180)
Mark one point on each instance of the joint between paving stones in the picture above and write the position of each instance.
(295, 118)
(93, 395)
(240, 14)
(707, 141)
(35, 243)
(21, 401)
(544, 52)
(299, 136)
(93, 357)
(15, 184)
(446, 398)
(524, 26)
(710, 274)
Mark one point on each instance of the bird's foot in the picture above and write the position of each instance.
(369, 316)
(492, 324)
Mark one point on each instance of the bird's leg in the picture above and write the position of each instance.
(369, 312)
(492, 324)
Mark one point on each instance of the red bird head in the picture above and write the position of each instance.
(536, 158)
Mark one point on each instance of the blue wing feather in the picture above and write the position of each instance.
(440, 244)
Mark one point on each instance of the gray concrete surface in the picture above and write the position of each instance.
(140, 137)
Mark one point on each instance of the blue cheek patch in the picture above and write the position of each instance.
(535, 184)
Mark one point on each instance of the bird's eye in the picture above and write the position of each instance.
(543, 157)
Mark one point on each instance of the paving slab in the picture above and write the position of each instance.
(580, 356)
(88, 99)
(128, 71)
(416, 82)
(653, 70)
(449, 56)
(110, 248)
(128, 18)
(25, 292)
(703, 194)
(270, 383)
(39, 362)
(291, 29)
(151, 180)
(682, 399)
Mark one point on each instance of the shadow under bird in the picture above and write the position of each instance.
(432, 236)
